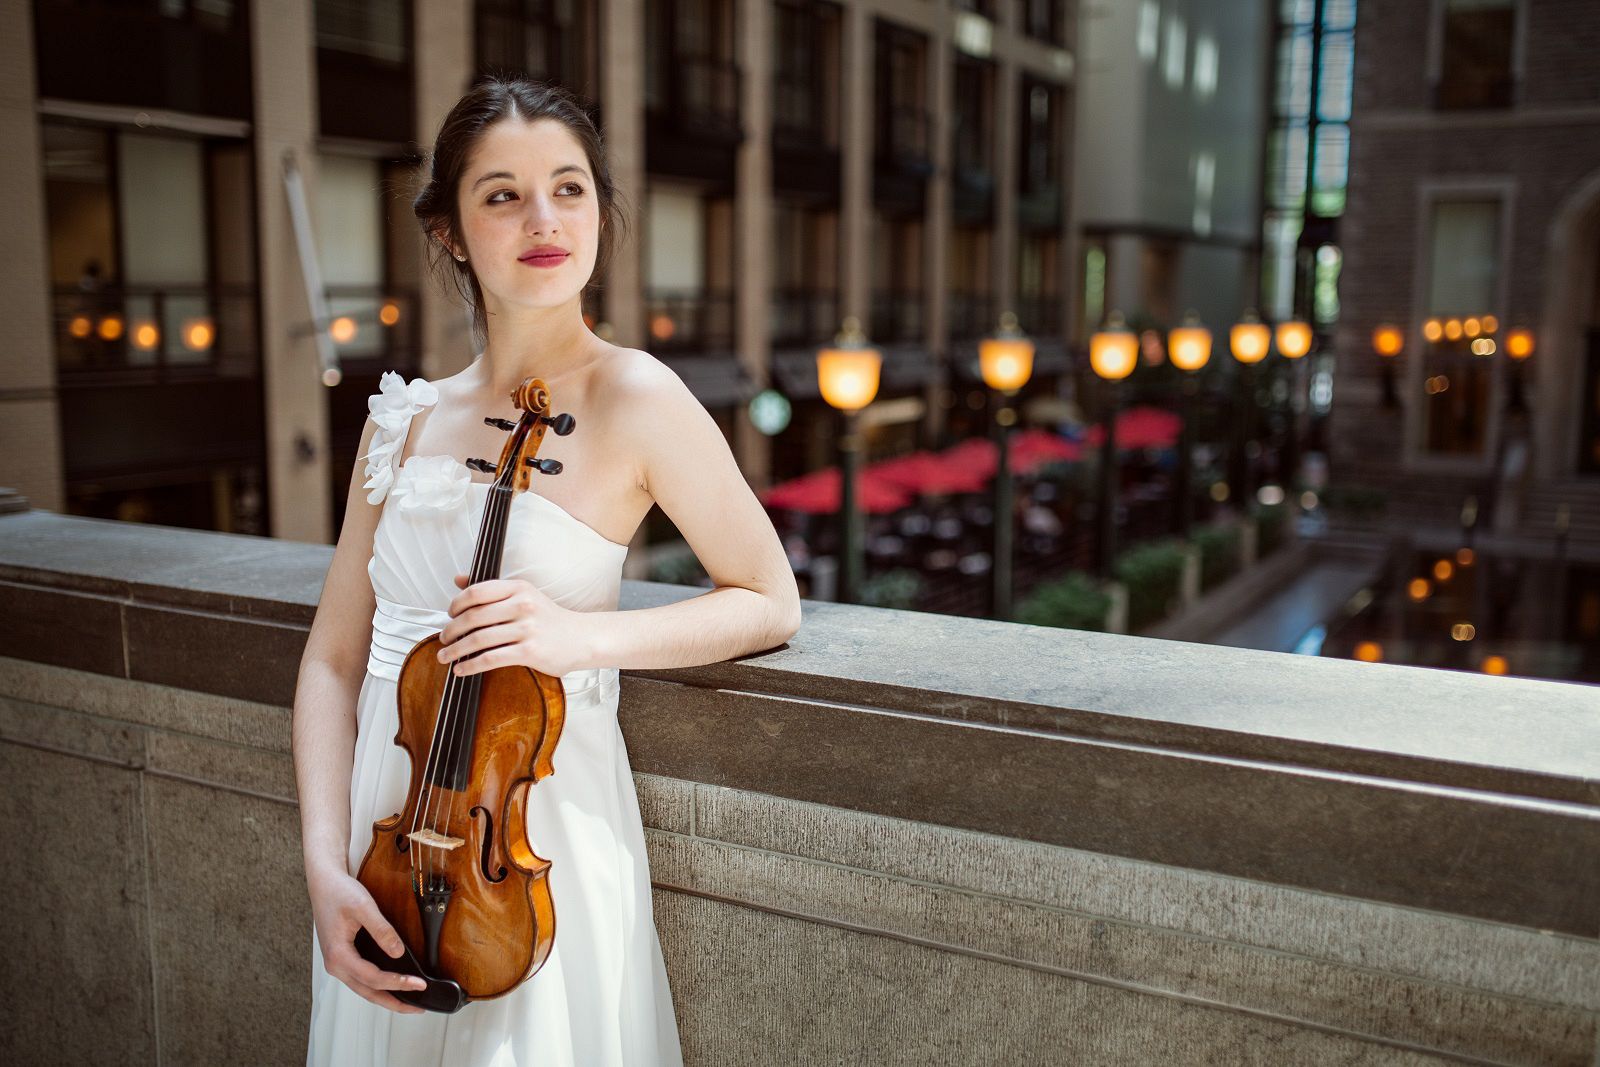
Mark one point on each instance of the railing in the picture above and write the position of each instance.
(188, 329)
(689, 319)
(896, 315)
(1041, 315)
(970, 314)
(1231, 855)
(804, 316)
(903, 133)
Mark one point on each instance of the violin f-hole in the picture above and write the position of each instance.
(488, 843)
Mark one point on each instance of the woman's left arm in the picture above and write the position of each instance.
(689, 471)
(686, 467)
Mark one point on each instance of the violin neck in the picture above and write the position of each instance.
(491, 535)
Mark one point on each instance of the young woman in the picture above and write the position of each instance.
(519, 206)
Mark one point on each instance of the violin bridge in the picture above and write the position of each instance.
(434, 839)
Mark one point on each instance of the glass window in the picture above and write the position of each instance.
(1463, 266)
(1478, 42)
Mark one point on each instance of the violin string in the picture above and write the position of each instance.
(497, 508)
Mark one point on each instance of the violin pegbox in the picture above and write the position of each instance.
(520, 456)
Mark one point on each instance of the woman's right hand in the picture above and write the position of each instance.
(341, 905)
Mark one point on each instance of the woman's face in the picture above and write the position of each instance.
(527, 185)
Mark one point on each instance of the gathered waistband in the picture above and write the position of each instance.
(396, 629)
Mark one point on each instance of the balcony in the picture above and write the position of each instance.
(896, 315)
(1041, 316)
(804, 316)
(154, 333)
(1241, 856)
(970, 315)
(692, 122)
(689, 320)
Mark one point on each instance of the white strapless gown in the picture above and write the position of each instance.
(602, 998)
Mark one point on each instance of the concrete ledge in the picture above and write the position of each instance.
(915, 839)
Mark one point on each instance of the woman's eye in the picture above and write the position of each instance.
(492, 198)
(570, 185)
(574, 185)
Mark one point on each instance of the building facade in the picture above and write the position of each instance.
(1474, 210)
(792, 163)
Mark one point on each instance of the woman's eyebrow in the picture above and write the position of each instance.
(507, 174)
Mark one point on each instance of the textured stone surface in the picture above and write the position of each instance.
(210, 653)
(1497, 958)
(1355, 999)
(1469, 853)
(78, 944)
(753, 987)
(232, 924)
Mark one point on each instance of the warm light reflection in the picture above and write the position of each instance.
(1465, 557)
(1114, 350)
(342, 329)
(1495, 665)
(1250, 340)
(1490, 324)
(1452, 330)
(111, 327)
(198, 334)
(1419, 589)
(1369, 652)
(1443, 570)
(146, 336)
(80, 326)
(389, 314)
(662, 327)
(1463, 631)
(1472, 327)
(1432, 330)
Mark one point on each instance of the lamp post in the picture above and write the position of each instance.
(1249, 340)
(1387, 341)
(1519, 346)
(1294, 339)
(1006, 360)
(1189, 348)
(847, 377)
(1113, 351)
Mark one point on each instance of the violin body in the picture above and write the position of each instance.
(454, 871)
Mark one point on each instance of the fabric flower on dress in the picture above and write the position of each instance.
(432, 483)
(391, 409)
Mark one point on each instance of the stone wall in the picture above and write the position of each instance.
(901, 839)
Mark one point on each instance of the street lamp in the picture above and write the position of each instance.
(847, 377)
(1113, 351)
(1388, 341)
(1006, 360)
(1519, 346)
(1189, 348)
(1249, 340)
(1294, 339)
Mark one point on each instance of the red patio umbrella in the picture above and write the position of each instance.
(924, 472)
(1142, 427)
(817, 493)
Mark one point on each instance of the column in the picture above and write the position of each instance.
(30, 426)
(752, 251)
(444, 62)
(941, 82)
(283, 53)
(855, 148)
(622, 66)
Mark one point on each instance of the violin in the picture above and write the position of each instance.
(454, 871)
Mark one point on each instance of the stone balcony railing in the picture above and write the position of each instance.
(900, 839)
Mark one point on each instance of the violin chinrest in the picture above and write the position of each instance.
(441, 995)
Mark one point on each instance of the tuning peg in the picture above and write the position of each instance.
(562, 424)
(499, 424)
(484, 465)
(544, 466)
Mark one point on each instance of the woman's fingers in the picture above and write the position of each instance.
(506, 633)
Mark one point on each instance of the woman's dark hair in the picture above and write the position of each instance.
(494, 99)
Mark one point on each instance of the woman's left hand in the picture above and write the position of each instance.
(510, 621)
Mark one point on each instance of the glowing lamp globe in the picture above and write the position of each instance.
(847, 373)
(1189, 345)
(1250, 340)
(1387, 341)
(1294, 338)
(1114, 350)
(1519, 344)
(1006, 359)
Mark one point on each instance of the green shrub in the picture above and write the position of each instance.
(1074, 601)
(1357, 501)
(1219, 553)
(898, 588)
(678, 570)
(1272, 527)
(1153, 573)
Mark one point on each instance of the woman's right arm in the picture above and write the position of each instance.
(324, 737)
